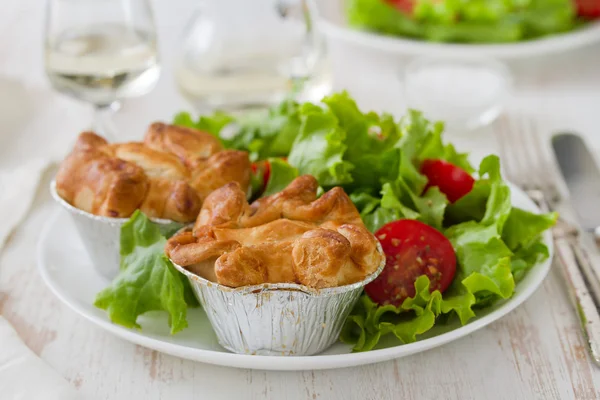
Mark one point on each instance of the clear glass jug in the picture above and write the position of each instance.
(240, 54)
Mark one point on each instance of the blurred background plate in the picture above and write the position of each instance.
(332, 19)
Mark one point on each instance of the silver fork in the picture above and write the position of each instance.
(526, 164)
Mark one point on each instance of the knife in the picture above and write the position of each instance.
(582, 178)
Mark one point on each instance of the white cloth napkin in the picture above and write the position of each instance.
(23, 375)
(17, 190)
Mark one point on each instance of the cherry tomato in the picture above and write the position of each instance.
(412, 249)
(453, 181)
(406, 6)
(588, 8)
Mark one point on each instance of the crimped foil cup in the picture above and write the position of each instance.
(100, 235)
(282, 319)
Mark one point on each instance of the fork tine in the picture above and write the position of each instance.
(522, 154)
(545, 170)
(528, 157)
(503, 138)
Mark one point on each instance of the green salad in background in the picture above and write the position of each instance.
(470, 21)
(391, 170)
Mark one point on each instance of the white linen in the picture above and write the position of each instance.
(23, 375)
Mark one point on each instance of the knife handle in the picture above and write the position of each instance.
(574, 262)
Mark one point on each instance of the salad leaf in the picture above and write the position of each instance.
(147, 280)
(526, 257)
(320, 147)
(369, 321)
(428, 208)
(402, 190)
(474, 206)
(282, 173)
(263, 134)
(522, 227)
(213, 124)
(472, 21)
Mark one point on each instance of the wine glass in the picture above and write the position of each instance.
(101, 51)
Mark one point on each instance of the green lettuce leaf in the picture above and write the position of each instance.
(526, 257)
(208, 123)
(147, 280)
(282, 173)
(428, 208)
(263, 134)
(522, 227)
(370, 139)
(319, 148)
(402, 185)
(417, 315)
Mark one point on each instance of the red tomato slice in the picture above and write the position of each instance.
(588, 8)
(406, 6)
(412, 249)
(453, 181)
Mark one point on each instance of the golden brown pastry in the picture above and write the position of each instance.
(290, 236)
(91, 179)
(220, 169)
(167, 176)
(191, 146)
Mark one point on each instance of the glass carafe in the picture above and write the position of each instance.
(240, 54)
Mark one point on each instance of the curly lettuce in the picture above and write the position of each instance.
(147, 280)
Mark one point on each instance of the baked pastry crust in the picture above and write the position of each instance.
(288, 237)
(167, 176)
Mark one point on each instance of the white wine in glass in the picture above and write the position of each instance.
(101, 51)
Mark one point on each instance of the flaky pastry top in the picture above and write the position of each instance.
(288, 237)
(167, 176)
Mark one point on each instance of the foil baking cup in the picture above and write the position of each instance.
(100, 235)
(283, 319)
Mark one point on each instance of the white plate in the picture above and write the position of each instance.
(67, 270)
(332, 20)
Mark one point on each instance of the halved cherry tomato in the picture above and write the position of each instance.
(412, 249)
(453, 181)
(588, 8)
(406, 6)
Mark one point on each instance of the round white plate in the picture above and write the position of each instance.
(67, 270)
(332, 20)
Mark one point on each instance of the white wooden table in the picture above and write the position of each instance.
(536, 352)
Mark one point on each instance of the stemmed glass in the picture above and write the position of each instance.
(101, 51)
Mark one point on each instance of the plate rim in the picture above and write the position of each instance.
(299, 363)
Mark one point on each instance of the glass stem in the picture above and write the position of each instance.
(103, 123)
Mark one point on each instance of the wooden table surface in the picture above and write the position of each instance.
(536, 352)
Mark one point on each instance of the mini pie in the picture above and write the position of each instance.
(288, 237)
(167, 176)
